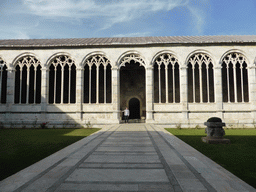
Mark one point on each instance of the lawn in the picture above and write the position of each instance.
(239, 157)
(23, 147)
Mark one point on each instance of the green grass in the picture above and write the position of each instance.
(20, 148)
(239, 157)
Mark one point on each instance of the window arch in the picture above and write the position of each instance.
(62, 80)
(200, 79)
(27, 80)
(97, 80)
(3, 81)
(128, 57)
(235, 78)
(166, 79)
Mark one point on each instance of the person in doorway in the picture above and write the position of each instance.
(126, 115)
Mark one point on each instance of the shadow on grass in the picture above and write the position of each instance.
(238, 157)
(21, 148)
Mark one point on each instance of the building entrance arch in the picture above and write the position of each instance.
(134, 107)
(132, 87)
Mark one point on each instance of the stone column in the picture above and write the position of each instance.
(184, 93)
(10, 93)
(149, 94)
(252, 90)
(44, 91)
(116, 94)
(218, 91)
(79, 93)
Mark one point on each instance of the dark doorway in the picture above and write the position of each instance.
(132, 85)
(134, 107)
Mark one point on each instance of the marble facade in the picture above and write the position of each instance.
(237, 108)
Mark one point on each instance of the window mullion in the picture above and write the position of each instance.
(90, 84)
(208, 83)
(201, 82)
(166, 83)
(105, 84)
(55, 82)
(235, 82)
(69, 84)
(228, 83)
(173, 83)
(62, 83)
(1, 77)
(194, 84)
(35, 85)
(97, 84)
(20, 83)
(159, 82)
(242, 82)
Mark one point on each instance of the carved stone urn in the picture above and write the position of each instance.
(215, 131)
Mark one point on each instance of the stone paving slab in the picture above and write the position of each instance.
(125, 149)
(119, 175)
(128, 157)
(123, 165)
(120, 158)
(97, 187)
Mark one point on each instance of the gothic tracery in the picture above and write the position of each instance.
(132, 57)
(62, 80)
(97, 80)
(235, 78)
(200, 79)
(28, 80)
(166, 78)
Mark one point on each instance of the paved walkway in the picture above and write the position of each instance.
(128, 157)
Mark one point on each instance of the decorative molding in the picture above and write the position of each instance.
(200, 58)
(28, 61)
(62, 60)
(234, 58)
(128, 58)
(166, 59)
(97, 60)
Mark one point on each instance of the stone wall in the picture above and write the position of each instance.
(184, 113)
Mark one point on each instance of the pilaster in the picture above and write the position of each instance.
(252, 90)
(149, 94)
(116, 93)
(184, 92)
(79, 93)
(218, 91)
(10, 93)
(44, 91)
(10, 87)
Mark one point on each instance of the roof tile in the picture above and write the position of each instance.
(126, 40)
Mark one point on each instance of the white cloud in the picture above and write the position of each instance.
(65, 18)
(139, 34)
(109, 11)
(198, 18)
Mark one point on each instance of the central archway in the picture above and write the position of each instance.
(132, 85)
(134, 107)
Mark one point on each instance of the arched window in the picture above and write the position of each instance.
(62, 80)
(166, 79)
(3, 81)
(200, 79)
(235, 78)
(97, 80)
(27, 80)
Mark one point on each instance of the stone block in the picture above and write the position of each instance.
(215, 140)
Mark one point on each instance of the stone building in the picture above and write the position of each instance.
(164, 80)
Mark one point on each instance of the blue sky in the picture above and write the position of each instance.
(40, 19)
